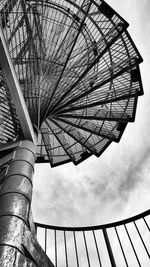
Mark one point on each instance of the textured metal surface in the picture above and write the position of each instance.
(8, 253)
(15, 194)
(78, 70)
(18, 184)
(18, 245)
(14, 204)
(11, 232)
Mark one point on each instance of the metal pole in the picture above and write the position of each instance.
(109, 249)
(15, 199)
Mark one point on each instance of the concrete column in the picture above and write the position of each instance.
(15, 199)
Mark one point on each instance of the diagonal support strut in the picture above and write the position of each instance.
(15, 90)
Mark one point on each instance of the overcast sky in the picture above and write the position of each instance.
(117, 184)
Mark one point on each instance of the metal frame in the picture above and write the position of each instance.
(70, 98)
(90, 72)
(15, 91)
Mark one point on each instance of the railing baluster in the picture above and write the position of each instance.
(142, 239)
(104, 230)
(146, 224)
(121, 247)
(45, 240)
(55, 249)
(109, 249)
(75, 243)
(36, 229)
(132, 245)
(97, 249)
(87, 253)
(65, 249)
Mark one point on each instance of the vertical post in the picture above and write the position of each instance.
(15, 200)
(109, 249)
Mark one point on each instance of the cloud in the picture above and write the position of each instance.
(91, 197)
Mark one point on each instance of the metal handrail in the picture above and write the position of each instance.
(95, 227)
(120, 243)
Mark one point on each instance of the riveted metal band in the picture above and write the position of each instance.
(15, 198)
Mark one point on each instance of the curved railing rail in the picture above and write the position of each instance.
(121, 243)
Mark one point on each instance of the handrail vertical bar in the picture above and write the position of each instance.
(146, 224)
(66, 249)
(45, 240)
(75, 243)
(142, 239)
(97, 249)
(36, 229)
(55, 235)
(109, 249)
(87, 253)
(132, 245)
(121, 247)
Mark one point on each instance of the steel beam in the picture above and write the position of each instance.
(15, 90)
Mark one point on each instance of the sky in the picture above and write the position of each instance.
(116, 185)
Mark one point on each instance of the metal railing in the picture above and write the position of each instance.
(122, 243)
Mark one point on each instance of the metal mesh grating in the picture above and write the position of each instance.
(78, 70)
(10, 127)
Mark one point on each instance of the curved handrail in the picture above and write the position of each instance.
(96, 227)
(112, 244)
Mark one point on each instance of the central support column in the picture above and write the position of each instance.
(18, 243)
(16, 171)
